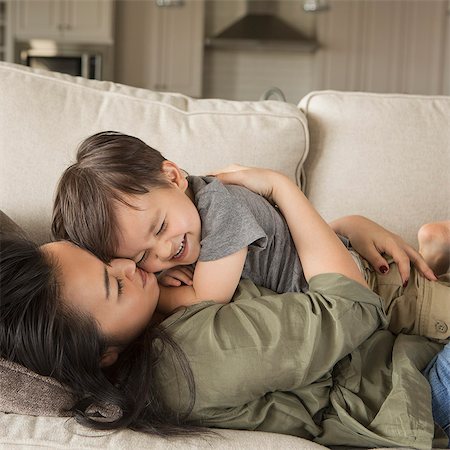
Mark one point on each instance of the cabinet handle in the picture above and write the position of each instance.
(315, 5)
(166, 3)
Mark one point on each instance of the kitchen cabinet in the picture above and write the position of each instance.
(176, 46)
(64, 20)
(5, 31)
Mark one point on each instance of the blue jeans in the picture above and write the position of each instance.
(438, 374)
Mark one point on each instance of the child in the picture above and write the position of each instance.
(122, 198)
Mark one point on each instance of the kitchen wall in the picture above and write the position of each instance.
(352, 49)
(246, 75)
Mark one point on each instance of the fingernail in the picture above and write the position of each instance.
(383, 269)
(405, 283)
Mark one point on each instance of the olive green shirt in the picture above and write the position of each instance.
(268, 361)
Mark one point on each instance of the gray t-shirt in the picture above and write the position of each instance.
(233, 218)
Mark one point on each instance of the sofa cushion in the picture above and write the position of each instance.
(25, 392)
(7, 225)
(44, 116)
(381, 155)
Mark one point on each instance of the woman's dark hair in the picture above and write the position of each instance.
(39, 331)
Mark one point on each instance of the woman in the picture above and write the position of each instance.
(263, 362)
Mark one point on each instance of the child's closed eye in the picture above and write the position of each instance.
(162, 228)
(143, 258)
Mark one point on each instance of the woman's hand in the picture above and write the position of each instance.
(176, 276)
(371, 240)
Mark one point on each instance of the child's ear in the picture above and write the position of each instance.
(174, 174)
(109, 357)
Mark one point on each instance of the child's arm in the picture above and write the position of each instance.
(319, 249)
(213, 280)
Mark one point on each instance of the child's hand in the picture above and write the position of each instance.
(260, 181)
(176, 276)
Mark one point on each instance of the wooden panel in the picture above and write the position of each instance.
(176, 48)
(382, 46)
(424, 62)
(446, 81)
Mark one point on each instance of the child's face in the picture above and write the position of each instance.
(162, 231)
(120, 297)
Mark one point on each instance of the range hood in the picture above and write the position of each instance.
(261, 29)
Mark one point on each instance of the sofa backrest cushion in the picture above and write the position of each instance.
(44, 116)
(381, 155)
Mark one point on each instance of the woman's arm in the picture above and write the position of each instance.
(368, 238)
(319, 249)
(371, 240)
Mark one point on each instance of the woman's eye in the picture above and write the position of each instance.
(119, 286)
(163, 227)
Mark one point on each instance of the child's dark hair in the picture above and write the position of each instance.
(109, 166)
(39, 331)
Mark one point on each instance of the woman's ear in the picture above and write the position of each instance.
(174, 174)
(109, 357)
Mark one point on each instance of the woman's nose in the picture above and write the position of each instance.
(124, 266)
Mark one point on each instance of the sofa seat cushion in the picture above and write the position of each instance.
(21, 431)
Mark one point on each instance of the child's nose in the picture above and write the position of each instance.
(124, 266)
(164, 251)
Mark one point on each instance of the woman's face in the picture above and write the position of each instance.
(121, 297)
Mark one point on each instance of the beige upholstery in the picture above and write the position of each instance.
(27, 432)
(381, 155)
(44, 117)
(385, 156)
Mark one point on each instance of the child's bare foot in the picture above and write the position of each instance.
(434, 245)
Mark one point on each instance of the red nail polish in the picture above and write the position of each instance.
(383, 269)
(405, 283)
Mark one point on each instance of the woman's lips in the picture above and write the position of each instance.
(143, 274)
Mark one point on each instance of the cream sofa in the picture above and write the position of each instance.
(383, 156)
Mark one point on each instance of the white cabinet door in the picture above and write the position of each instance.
(176, 47)
(65, 20)
(89, 21)
(38, 19)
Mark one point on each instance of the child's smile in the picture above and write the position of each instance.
(161, 231)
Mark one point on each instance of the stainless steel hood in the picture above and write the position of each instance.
(261, 29)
